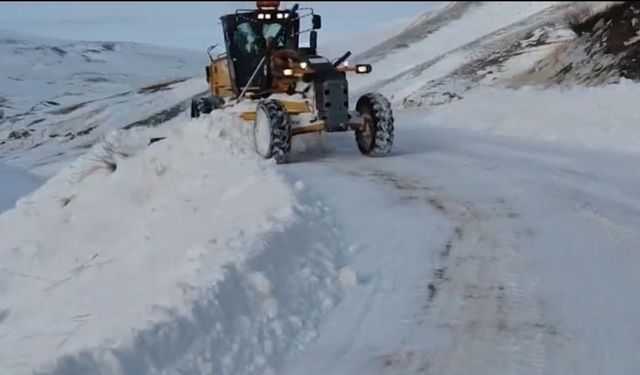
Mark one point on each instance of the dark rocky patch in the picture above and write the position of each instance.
(163, 86)
(96, 80)
(160, 117)
(71, 136)
(69, 109)
(45, 104)
(59, 51)
(616, 31)
(10, 41)
(109, 46)
(89, 59)
(37, 121)
(20, 134)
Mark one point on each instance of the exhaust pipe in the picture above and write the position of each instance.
(342, 59)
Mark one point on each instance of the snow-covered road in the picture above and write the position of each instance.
(14, 183)
(461, 252)
(519, 257)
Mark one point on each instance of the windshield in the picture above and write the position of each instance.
(270, 30)
(250, 38)
(247, 40)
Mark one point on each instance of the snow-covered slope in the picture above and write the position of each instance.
(464, 45)
(59, 97)
(38, 70)
(512, 53)
(448, 29)
(604, 49)
(45, 140)
(360, 41)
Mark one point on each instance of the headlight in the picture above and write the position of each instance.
(260, 16)
(287, 72)
(362, 69)
(304, 65)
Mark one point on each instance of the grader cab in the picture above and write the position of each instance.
(291, 89)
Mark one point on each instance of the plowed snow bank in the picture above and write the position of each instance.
(190, 255)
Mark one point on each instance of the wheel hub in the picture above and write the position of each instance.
(366, 132)
(262, 134)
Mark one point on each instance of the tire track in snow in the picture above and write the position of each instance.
(624, 236)
(480, 293)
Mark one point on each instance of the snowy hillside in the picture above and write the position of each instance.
(80, 71)
(59, 97)
(515, 54)
(465, 45)
(499, 237)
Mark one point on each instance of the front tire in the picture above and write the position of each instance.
(376, 137)
(272, 131)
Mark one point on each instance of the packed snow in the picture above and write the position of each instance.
(482, 254)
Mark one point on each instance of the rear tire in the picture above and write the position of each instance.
(272, 131)
(195, 112)
(376, 138)
(205, 105)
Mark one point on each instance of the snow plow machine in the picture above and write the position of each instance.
(284, 89)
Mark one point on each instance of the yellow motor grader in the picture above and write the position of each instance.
(288, 89)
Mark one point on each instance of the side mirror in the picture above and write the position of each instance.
(316, 21)
(313, 42)
(211, 48)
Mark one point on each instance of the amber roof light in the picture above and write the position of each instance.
(268, 5)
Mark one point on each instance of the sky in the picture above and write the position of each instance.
(191, 25)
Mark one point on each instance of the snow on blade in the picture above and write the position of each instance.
(191, 255)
